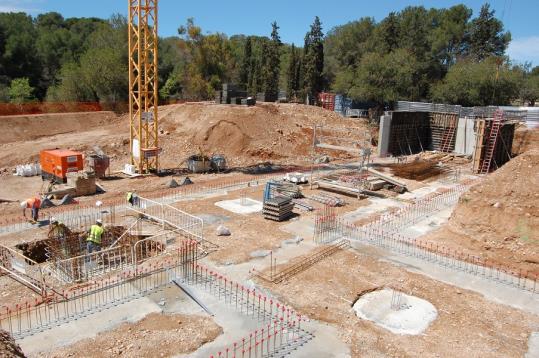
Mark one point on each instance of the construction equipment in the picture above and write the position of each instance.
(56, 163)
(98, 163)
(143, 85)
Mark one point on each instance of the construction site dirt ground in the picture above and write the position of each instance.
(496, 219)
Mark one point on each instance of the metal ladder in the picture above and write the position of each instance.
(491, 142)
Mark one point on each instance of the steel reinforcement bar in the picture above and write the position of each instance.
(427, 251)
(39, 314)
(302, 265)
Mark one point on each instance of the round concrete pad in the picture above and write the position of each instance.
(413, 317)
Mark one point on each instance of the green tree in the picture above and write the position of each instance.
(293, 73)
(313, 60)
(271, 58)
(245, 69)
(384, 78)
(483, 83)
(104, 66)
(448, 42)
(345, 45)
(388, 33)
(72, 86)
(529, 91)
(18, 58)
(20, 90)
(486, 35)
(211, 61)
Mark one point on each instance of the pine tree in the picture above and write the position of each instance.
(313, 60)
(486, 36)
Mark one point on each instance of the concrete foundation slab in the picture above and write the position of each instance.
(249, 206)
(412, 318)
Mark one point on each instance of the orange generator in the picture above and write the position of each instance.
(56, 163)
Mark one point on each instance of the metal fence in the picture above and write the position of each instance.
(22, 269)
(168, 215)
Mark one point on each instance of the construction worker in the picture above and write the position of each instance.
(93, 241)
(60, 232)
(34, 204)
(132, 198)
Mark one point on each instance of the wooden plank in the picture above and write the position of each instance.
(336, 147)
(478, 145)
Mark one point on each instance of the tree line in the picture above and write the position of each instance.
(441, 55)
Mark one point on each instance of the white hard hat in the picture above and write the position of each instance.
(99, 221)
(23, 204)
(98, 203)
(53, 220)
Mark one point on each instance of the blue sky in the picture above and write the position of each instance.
(293, 16)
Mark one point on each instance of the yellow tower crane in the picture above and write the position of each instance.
(143, 85)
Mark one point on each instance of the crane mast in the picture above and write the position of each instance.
(143, 85)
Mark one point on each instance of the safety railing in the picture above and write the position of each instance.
(22, 269)
(168, 215)
(152, 246)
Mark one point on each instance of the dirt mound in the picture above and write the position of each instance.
(245, 135)
(8, 347)
(525, 139)
(32, 127)
(277, 132)
(500, 215)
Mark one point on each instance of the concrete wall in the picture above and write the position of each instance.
(383, 136)
(466, 137)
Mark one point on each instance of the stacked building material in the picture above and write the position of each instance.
(231, 94)
(278, 208)
(289, 190)
(329, 200)
(266, 97)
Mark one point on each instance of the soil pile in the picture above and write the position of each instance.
(155, 335)
(245, 135)
(32, 127)
(8, 347)
(500, 215)
(280, 133)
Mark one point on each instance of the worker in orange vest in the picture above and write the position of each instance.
(34, 204)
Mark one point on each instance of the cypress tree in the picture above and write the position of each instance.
(313, 60)
(245, 69)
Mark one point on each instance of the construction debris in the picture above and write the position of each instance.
(417, 170)
(326, 199)
(223, 231)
